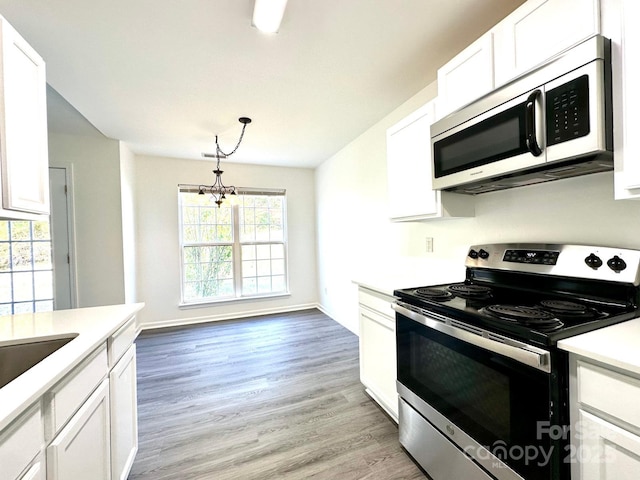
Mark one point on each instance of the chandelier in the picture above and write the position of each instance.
(218, 190)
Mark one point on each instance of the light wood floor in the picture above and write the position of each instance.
(275, 397)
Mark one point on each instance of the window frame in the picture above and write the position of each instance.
(35, 303)
(236, 244)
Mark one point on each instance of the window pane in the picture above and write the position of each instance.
(4, 231)
(5, 288)
(248, 252)
(262, 233)
(20, 230)
(264, 268)
(277, 267)
(5, 259)
(277, 250)
(278, 283)
(43, 285)
(208, 272)
(41, 231)
(21, 256)
(249, 286)
(249, 268)
(22, 286)
(264, 284)
(263, 251)
(42, 256)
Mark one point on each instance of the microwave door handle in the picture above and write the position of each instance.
(530, 123)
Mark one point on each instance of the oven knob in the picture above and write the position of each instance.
(483, 254)
(616, 264)
(593, 261)
(473, 254)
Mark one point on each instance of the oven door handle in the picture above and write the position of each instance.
(508, 347)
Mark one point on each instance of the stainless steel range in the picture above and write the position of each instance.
(483, 387)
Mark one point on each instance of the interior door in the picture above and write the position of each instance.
(61, 236)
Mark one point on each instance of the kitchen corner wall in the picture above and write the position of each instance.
(356, 241)
(158, 250)
(95, 163)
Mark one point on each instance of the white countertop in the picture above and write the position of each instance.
(410, 275)
(93, 326)
(617, 345)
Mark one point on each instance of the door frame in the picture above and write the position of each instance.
(71, 234)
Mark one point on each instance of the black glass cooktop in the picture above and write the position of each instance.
(540, 316)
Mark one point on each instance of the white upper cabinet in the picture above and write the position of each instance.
(23, 128)
(467, 76)
(409, 167)
(621, 26)
(540, 29)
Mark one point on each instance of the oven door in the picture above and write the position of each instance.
(484, 392)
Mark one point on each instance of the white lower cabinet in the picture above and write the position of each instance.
(21, 445)
(605, 422)
(124, 415)
(378, 349)
(606, 452)
(82, 448)
(37, 471)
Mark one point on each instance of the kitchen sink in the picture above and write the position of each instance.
(15, 359)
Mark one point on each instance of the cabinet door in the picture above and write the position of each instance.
(540, 29)
(466, 77)
(626, 98)
(23, 126)
(378, 359)
(124, 415)
(605, 452)
(81, 449)
(37, 470)
(409, 166)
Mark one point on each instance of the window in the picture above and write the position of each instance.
(26, 269)
(234, 251)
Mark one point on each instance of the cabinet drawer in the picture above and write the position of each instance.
(120, 341)
(377, 302)
(67, 396)
(21, 442)
(610, 392)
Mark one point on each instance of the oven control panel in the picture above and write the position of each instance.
(543, 257)
(579, 261)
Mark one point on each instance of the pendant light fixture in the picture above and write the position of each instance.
(218, 190)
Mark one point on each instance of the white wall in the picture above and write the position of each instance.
(158, 252)
(127, 176)
(357, 241)
(97, 199)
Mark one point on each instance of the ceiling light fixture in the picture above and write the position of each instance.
(267, 15)
(218, 190)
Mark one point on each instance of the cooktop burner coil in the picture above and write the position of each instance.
(523, 315)
(436, 294)
(465, 290)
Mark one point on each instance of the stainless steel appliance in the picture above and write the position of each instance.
(553, 122)
(483, 387)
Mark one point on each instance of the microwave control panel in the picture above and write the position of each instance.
(568, 111)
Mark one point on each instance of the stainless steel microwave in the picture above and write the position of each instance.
(553, 122)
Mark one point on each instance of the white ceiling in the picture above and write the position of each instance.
(166, 76)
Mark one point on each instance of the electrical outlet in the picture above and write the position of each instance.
(429, 244)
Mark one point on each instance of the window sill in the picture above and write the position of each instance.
(211, 303)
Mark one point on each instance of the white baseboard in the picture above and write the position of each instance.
(227, 316)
